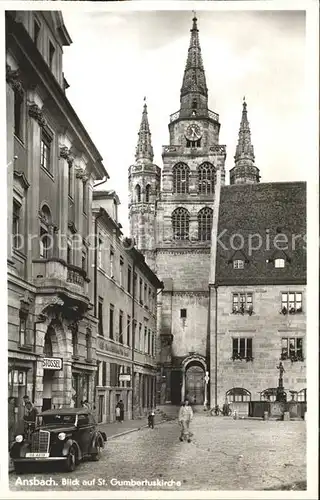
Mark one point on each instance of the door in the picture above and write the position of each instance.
(195, 385)
(101, 405)
(85, 432)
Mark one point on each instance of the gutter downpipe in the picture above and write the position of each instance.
(133, 339)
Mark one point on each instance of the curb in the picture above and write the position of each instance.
(114, 436)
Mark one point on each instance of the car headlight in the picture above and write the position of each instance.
(19, 438)
(62, 436)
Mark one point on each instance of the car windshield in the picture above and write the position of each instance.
(56, 419)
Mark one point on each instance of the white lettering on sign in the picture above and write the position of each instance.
(52, 363)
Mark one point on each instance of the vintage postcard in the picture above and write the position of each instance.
(161, 167)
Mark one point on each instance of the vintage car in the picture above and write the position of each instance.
(64, 435)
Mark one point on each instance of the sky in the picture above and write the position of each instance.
(117, 58)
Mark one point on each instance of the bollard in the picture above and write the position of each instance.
(265, 415)
(286, 415)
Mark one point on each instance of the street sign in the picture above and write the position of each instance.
(124, 377)
(52, 363)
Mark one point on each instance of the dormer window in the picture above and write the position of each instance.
(279, 263)
(238, 264)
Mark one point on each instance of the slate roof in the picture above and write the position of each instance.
(267, 209)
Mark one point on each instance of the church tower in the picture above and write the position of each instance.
(144, 188)
(192, 162)
(244, 170)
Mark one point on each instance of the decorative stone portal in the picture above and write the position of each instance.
(193, 388)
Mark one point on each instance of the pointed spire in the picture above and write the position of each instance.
(194, 79)
(144, 149)
(244, 147)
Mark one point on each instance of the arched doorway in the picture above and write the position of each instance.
(194, 389)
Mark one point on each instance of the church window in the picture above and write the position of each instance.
(205, 217)
(183, 313)
(279, 263)
(180, 224)
(138, 193)
(206, 178)
(148, 187)
(238, 264)
(181, 178)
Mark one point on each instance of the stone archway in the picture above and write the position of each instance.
(194, 369)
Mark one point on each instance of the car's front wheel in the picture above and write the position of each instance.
(98, 453)
(71, 461)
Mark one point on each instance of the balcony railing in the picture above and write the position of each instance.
(200, 114)
(56, 273)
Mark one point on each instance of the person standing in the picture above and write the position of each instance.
(151, 418)
(11, 420)
(121, 406)
(184, 419)
(118, 412)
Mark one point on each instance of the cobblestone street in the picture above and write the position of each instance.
(224, 454)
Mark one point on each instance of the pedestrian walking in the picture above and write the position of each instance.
(184, 419)
(11, 419)
(118, 413)
(151, 418)
(121, 406)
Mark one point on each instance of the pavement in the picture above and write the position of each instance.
(224, 454)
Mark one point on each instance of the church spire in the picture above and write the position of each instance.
(144, 149)
(244, 147)
(194, 92)
(244, 171)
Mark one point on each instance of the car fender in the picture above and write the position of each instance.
(19, 450)
(96, 438)
(67, 445)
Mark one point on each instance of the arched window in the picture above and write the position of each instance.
(238, 394)
(148, 189)
(206, 178)
(181, 178)
(205, 216)
(138, 193)
(180, 224)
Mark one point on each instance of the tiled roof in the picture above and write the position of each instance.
(266, 209)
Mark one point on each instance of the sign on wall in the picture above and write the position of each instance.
(124, 377)
(52, 363)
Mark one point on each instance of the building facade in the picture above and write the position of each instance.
(126, 291)
(176, 217)
(52, 165)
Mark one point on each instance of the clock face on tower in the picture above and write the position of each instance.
(193, 132)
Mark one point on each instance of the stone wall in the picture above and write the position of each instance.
(266, 327)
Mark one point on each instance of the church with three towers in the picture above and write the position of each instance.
(232, 258)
